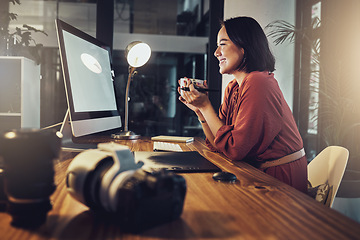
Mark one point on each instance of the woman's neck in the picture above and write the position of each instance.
(239, 76)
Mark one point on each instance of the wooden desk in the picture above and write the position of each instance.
(256, 207)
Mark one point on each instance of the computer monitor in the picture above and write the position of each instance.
(88, 78)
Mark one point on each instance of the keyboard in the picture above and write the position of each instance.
(167, 147)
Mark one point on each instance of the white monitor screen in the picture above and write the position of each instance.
(90, 75)
(90, 93)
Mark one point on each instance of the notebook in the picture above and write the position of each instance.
(172, 138)
(175, 161)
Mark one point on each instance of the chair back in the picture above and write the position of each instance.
(328, 167)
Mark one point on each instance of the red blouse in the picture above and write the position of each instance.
(259, 126)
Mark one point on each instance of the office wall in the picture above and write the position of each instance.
(264, 12)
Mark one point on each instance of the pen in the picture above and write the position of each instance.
(200, 89)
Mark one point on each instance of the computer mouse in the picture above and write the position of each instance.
(224, 177)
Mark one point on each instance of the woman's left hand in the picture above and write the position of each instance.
(193, 98)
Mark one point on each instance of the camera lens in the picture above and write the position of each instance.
(29, 173)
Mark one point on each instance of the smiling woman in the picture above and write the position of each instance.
(254, 124)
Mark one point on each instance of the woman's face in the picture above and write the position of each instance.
(228, 54)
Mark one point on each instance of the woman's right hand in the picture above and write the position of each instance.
(192, 107)
(193, 99)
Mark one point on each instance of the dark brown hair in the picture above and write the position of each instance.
(246, 33)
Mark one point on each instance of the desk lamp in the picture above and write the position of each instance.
(137, 54)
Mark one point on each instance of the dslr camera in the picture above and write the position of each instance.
(110, 183)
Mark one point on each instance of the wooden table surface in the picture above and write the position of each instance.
(257, 206)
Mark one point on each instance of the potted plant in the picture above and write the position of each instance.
(18, 42)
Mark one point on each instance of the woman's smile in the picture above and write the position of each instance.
(221, 61)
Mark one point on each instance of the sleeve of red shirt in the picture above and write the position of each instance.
(257, 119)
(222, 112)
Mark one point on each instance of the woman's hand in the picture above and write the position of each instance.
(195, 109)
(201, 105)
(193, 99)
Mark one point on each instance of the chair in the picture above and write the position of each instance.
(328, 167)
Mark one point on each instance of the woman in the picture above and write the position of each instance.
(254, 123)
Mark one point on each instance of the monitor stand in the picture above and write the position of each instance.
(67, 139)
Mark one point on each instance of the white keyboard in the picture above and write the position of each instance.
(165, 146)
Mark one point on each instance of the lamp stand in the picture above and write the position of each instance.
(126, 134)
